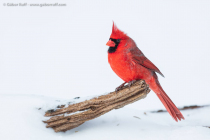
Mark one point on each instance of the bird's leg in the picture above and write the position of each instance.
(131, 83)
(120, 87)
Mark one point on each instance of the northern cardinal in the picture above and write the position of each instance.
(130, 64)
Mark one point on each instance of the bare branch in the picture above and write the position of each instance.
(95, 107)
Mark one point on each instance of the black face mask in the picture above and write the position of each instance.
(113, 49)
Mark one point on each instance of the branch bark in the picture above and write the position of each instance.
(61, 119)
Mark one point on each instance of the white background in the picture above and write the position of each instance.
(61, 51)
(58, 53)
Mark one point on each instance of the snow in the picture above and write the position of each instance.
(57, 53)
(22, 119)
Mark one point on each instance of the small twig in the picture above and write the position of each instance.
(183, 108)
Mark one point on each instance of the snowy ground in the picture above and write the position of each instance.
(21, 119)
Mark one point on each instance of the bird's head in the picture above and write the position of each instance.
(116, 38)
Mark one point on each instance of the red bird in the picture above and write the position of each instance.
(130, 64)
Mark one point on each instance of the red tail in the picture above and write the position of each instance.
(169, 105)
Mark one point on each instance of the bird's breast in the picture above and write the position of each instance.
(126, 69)
(122, 66)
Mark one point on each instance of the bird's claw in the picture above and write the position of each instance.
(131, 83)
(123, 84)
(120, 87)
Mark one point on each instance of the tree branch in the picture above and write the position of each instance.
(93, 108)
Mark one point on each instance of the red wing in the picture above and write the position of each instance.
(139, 58)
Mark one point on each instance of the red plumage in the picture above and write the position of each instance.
(129, 63)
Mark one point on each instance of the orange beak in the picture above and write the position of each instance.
(110, 43)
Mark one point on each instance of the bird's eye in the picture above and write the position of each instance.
(118, 40)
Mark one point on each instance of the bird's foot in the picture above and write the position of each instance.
(131, 83)
(120, 87)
